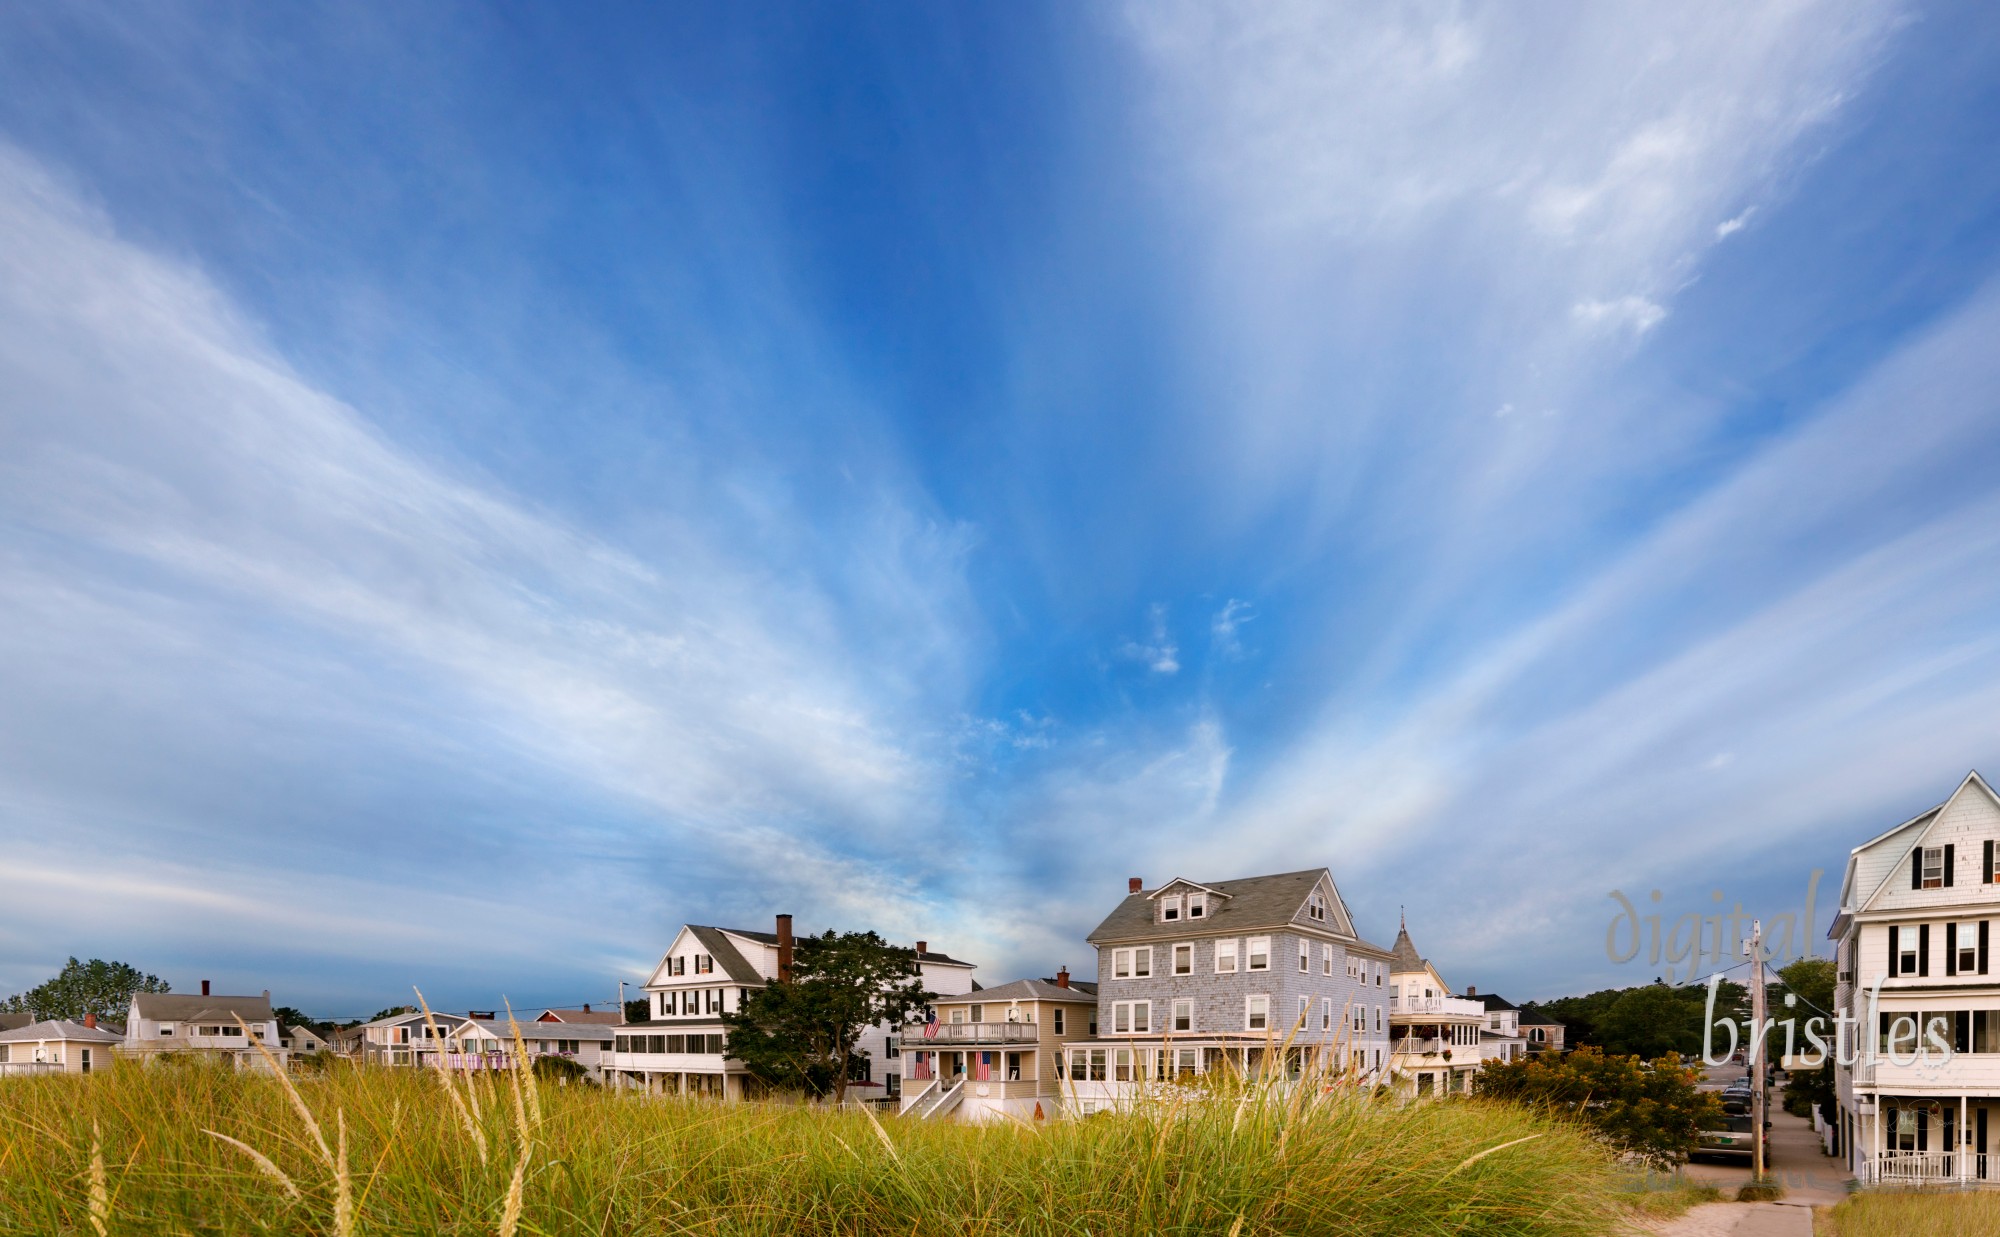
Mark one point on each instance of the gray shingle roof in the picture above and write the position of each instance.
(1530, 1016)
(727, 956)
(75, 1032)
(546, 1030)
(1253, 903)
(178, 1007)
(14, 1022)
(1028, 990)
(1404, 955)
(1495, 1002)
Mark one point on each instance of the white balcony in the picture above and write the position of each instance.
(953, 1033)
(1925, 1167)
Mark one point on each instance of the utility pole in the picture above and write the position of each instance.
(1757, 1044)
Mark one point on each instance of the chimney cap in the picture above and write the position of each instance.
(1062, 978)
(1134, 884)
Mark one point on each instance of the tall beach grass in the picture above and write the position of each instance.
(192, 1148)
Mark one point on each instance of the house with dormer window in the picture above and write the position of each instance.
(1918, 997)
(1262, 974)
(681, 1046)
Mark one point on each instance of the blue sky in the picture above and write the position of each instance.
(480, 489)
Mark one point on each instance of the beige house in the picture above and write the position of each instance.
(996, 1052)
(58, 1047)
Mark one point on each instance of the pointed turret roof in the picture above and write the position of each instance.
(1403, 955)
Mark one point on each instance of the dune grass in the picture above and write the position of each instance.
(203, 1149)
(1929, 1213)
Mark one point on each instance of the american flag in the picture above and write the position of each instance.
(931, 1025)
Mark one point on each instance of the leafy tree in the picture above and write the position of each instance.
(800, 1035)
(80, 988)
(560, 1069)
(287, 1016)
(1652, 1110)
(640, 1010)
(391, 1012)
(1655, 1017)
(1810, 981)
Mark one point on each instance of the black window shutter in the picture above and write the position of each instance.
(1917, 868)
(1961, 1039)
(1951, 949)
(1895, 949)
(1989, 861)
(1923, 949)
(1982, 946)
(1948, 848)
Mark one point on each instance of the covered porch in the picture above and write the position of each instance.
(1918, 1140)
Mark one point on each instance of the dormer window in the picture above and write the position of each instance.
(1170, 909)
(1197, 905)
(1316, 908)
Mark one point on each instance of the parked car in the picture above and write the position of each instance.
(1736, 1137)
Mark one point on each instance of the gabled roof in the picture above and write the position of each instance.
(1027, 990)
(178, 1007)
(74, 1032)
(414, 1017)
(1530, 1016)
(726, 955)
(1252, 904)
(595, 1017)
(1923, 820)
(1184, 882)
(1494, 1003)
(14, 1022)
(543, 1030)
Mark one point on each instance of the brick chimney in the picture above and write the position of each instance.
(204, 987)
(923, 947)
(90, 1020)
(1062, 978)
(1471, 991)
(1134, 885)
(785, 949)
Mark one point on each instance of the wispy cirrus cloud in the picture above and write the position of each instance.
(164, 474)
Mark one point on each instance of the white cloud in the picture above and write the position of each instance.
(1635, 314)
(1158, 650)
(195, 529)
(1227, 623)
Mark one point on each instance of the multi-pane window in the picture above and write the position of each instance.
(1225, 957)
(1355, 968)
(1316, 908)
(1122, 1064)
(1967, 936)
(1305, 1009)
(1086, 1065)
(1132, 963)
(1378, 1017)
(1184, 1061)
(1059, 1019)
(1906, 943)
(1326, 959)
(1183, 959)
(704, 964)
(1260, 953)
(1360, 1019)
(1170, 909)
(1305, 958)
(1933, 877)
(1131, 1017)
(1257, 1012)
(1326, 1013)
(1183, 1015)
(1197, 905)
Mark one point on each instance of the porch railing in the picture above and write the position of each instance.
(1919, 1167)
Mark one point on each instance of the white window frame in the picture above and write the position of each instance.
(1316, 908)
(1305, 958)
(1326, 1013)
(1378, 1018)
(1225, 952)
(1968, 953)
(1257, 1012)
(1197, 906)
(1326, 959)
(1170, 909)
(1132, 1018)
(1186, 949)
(1305, 1011)
(1058, 1012)
(1906, 948)
(1258, 945)
(1933, 873)
(1360, 1020)
(1183, 1016)
(1133, 963)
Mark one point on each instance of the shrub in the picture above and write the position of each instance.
(1652, 1111)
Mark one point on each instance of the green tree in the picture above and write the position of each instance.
(80, 988)
(1653, 1110)
(1810, 982)
(800, 1034)
(1656, 1018)
(391, 1012)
